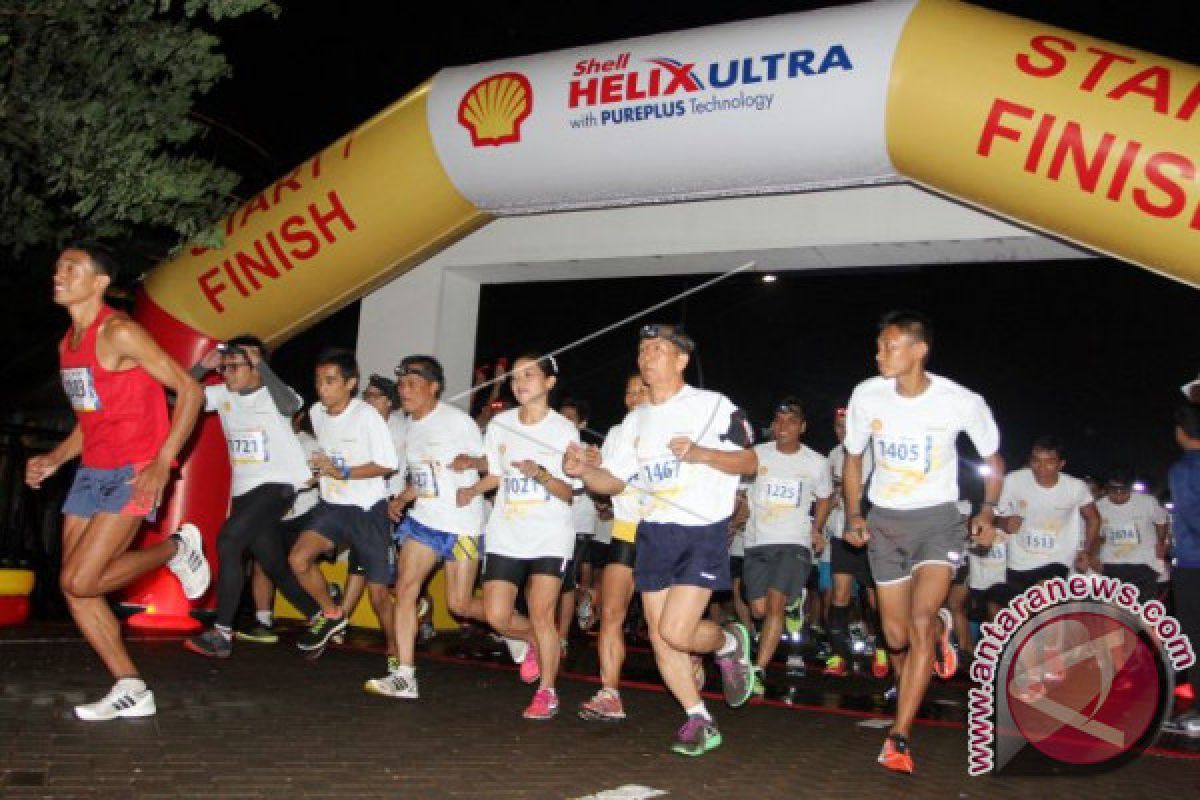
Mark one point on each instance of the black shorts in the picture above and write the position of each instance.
(1018, 580)
(517, 570)
(571, 579)
(997, 593)
(622, 553)
(847, 560)
(962, 573)
(737, 567)
(368, 534)
(682, 555)
(1139, 575)
(597, 554)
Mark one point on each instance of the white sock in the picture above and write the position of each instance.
(409, 673)
(226, 632)
(131, 685)
(698, 710)
(730, 645)
(265, 618)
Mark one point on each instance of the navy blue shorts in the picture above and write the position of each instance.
(682, 555)
(368, 535)
(107, 491)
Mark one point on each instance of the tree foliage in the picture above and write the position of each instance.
(97, 134)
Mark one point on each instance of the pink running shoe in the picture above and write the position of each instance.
(530, 669)
(544, 705)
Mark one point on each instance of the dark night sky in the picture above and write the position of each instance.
(1093, 351)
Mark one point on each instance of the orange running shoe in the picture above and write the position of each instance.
(945, 659)
(895, 755)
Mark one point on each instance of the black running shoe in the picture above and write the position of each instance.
(321, 631)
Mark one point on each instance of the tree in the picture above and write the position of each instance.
(97, 134)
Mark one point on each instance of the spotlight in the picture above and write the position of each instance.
(769, 278)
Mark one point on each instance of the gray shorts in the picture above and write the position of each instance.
(901, 541)
(782, 567)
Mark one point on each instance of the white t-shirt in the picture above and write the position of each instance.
(432, 444)
(306, 496)
(354, 437)
(782, 495)
(914, 439)
(674, 491)
(1128, 530)
(1052, 528)
(528, 521)
(397, 423)
(262, 446)
(602, 531)
(986, 568)
(583, 513)
(627, 505)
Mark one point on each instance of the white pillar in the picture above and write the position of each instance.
(428, 310)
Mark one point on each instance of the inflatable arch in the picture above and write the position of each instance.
(1065, 133)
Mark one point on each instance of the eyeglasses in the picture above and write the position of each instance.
(672, 333)
(232, 367)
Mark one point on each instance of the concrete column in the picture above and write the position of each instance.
(428, 310)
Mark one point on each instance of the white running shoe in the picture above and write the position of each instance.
(189, 563)
(517, 648)
(119, 702)
(394, 685)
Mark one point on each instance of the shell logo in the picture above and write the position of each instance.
(876, 425)
(762, 470)
(493, 109)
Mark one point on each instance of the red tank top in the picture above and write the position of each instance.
(123, 415)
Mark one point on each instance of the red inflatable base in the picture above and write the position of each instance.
(14, 609)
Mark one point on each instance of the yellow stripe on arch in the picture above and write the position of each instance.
(364, 210)
(1080, 137)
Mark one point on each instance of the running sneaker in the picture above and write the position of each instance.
(530, 669)
(895, 754)
(583, 612)
(517, 649)
(393, 664)
(395, 685)
(697, 736)
(320, 632)
(119, 702)
(793, 615)
(737, 671)
(337, 596)
(698, 675)
(945, 657)
(835, 667)
(759, 689)
(189, 564)
(796, 668)
(211, 643)
(1184, 725)
(605, 706)
(879, 664)
(544, 705)
(258, 633)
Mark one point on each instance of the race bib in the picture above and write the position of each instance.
(423, 478)
(906, 453)
(1036, 542)
(524, 491)
(781, 494)
(335, 487)
(81, 389)
(661, 474)
(248, 446)
(1124, 537)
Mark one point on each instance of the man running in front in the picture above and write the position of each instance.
(911, 419)
(688, 447)
(114, 375)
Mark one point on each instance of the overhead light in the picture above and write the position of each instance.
(1138, 486)
(769, 278)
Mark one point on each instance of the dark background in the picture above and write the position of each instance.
(1093, 351)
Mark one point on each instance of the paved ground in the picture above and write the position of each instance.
(268, 724)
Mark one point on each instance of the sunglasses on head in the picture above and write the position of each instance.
(672, 333)
(420, 370)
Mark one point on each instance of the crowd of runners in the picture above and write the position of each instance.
(733, 549)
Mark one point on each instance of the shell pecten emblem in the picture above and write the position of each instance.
(493, 109)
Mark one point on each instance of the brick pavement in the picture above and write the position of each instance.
(268, 724)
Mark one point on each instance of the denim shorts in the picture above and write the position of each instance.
(109, 491)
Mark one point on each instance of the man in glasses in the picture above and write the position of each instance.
(1133, 532)
(268, 465)
(688, 448)
(781, 536)
(912, 419)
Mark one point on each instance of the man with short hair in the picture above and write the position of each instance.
(114, 375)
(689, 446)
(268, 467)
(355, 458)
(1133, 534)
(912, 418)
(781, 536)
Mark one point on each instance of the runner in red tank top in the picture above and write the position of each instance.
(114, 374)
